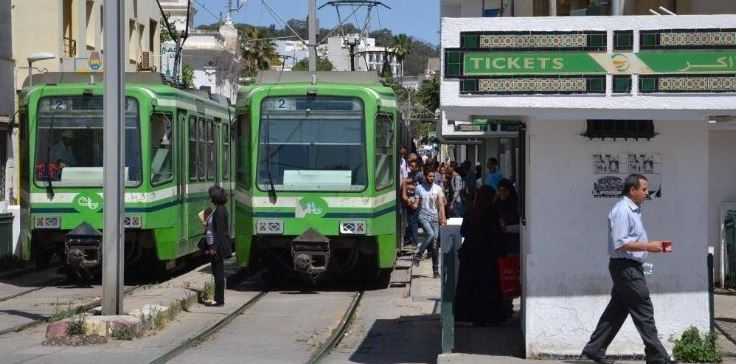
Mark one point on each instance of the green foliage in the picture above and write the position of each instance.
(414, 63)
(187, 74)
(159, 319)
(164, 34)
(208, 292)
(76, 325)
(62, 313)
(428, 95)
(401, 46)
(323, 64)
(259, 53)
(122, 332)
(690, 348)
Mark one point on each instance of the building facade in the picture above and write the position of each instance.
(291, 52)
(215, 56)
(7, 106)
(584, 101)
(368, 56)
(73, 32)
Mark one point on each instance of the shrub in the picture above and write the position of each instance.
(208, 292)
(690, 348)
(76, 325)
(123, 332)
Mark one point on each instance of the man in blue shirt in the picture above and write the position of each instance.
(493, 176)
(628, 246)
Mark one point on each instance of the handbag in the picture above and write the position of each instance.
(202, 244)
(508, 276)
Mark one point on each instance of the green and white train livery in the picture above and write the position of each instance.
(316, 180)
(177, 145)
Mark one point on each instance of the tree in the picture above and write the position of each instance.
(258, 53)
(428, 96)
(187, 75)
(401, 48)
(323, 64)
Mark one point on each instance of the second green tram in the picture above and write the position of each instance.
(177, 145)
(317, 175)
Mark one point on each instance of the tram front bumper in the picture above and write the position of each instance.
(310, 252)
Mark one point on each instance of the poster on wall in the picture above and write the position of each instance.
(610, 170)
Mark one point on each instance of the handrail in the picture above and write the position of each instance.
(70, 47)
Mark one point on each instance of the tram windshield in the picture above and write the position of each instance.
(312, 143)
(69, 141)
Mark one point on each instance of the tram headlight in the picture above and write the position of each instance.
(269, 227)
(47, 222)
(353, 227)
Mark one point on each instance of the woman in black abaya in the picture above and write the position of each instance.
(478, 297)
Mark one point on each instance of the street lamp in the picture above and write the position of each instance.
(41, 56)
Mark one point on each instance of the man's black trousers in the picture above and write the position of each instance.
(629, 296)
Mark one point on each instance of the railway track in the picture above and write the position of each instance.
(43, 319)
(49, 283)
(338, 333)
(275, 320)
(201, 337)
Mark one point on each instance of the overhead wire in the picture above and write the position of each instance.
(219, 18)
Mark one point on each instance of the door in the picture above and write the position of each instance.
(181, 138)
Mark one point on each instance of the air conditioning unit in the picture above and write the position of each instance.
(146, 63)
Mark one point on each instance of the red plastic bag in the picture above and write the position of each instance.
(508, 276)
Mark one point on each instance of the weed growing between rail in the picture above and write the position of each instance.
(62, 313)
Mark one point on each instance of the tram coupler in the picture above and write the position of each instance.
(310, 252)
(83, 247)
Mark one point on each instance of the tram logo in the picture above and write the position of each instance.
(620, 62)
(311, 207)
(87, 202)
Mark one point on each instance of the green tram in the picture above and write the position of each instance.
(317, 176)
(177, 145)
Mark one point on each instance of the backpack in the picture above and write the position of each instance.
(458, 184)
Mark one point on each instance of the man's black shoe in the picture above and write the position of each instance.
(586, 356)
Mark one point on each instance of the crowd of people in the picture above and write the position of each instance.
(433, 191)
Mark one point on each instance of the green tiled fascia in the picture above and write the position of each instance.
(647, 84)
(622, 84)
(452, 57)
(649, 39)
(468, 86)
(469, 41)
(452, 69)
(596, 84)
(596, 40)
(623, 40)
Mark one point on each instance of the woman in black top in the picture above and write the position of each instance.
(507, 205)
(218, 241)
(478, 297)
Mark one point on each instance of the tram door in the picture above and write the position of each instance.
(182, 178)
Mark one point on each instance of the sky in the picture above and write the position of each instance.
(418, 18)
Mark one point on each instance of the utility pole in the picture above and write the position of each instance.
(312, 35)
(617, 7)
(113, 247)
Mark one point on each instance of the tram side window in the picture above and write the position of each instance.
(243, 145)
(201, 156)
(161, 150)
(384, 151)
(225, 152)
(192, 147)
(212, 161)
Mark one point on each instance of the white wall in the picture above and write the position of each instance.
(722, 186)
(566, 281)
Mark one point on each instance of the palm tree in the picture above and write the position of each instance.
(258, 53)
(401, 48)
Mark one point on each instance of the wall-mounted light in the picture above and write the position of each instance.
(41, 56)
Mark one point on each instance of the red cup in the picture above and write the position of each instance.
(667, 246)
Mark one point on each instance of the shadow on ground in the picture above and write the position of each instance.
(407, 339)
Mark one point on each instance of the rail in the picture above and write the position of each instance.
(451, 242)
